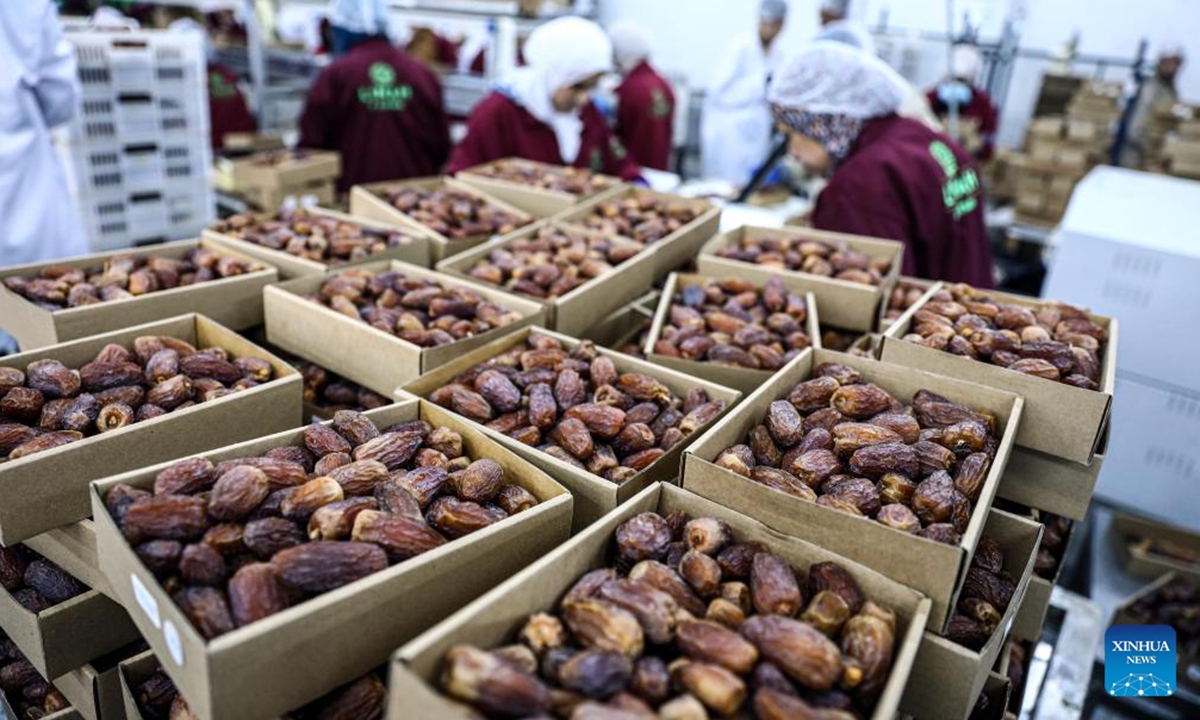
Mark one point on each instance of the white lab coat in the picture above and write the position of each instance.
(736, 125)
(38, 91)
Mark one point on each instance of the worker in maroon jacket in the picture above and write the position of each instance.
(376, 105)
(889, 176)
(973, 102)
(645, 101)
(544, 112)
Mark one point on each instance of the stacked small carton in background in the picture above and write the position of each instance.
(1181, 150)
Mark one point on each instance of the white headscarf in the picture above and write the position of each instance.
(830, 78)
(631, 43)
(368, 17)
(188, 26)
(965, 63)
(773, 10)
(559, 54)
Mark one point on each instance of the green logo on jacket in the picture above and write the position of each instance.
(219, 88)
(660, 106)
(383, 95)
(960, 193)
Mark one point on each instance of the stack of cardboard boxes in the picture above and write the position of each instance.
(1181, 150)
(1061, 149)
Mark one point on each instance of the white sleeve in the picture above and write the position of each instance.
(57, 84)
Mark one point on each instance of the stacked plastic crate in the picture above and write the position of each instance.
(138, 151)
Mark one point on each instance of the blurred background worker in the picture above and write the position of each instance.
(376, 105)
(645, 100)
(1157, 96)
(544, 112)
(227, 108)
(975, 107)
(889, 176)
(736, 125)
(833, 11)
(38, 91)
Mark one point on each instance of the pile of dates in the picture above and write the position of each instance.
(1018, 670)
(570, 180)
(849, 445)
(903, 296)
(688, 622)
(454, 214)
(635, 345)
(576, 407)
(1054, 341)
(57, 287)
(1176, 552)
(1056, 533)
(26, 691)
(839, 340)
(275, 158)
(34, 582)
(552, 262)
(986, 593)
(312, 237)
(1176, 604)
(642, 217)
(332, 392)
(49, 404)
(735, 323)
(416, 310)
(249, 537)
(813, 257)
(364, 699)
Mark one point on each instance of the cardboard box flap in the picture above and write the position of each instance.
(541, 202)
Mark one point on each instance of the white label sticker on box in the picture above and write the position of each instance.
(174, 646)
(145, 600)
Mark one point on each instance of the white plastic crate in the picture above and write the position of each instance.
(139, 117)
(132, 166)
(113, 63)
(120, 218)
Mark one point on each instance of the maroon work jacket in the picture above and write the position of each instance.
(228, 112)
(382, 110)
(500, 128)
(646, 117)
(903, 181)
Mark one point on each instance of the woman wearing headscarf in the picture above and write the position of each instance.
(736, 125)
(889, 176)
(544, 112)
(645, 100)
(375, 104)
(973, 102)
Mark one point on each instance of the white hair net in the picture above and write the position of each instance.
(773, 10)
(112, 18)
(835, 7)
(368, 17)
(1172, 50)
(829, 78)
(966, 63)
(559, 54)
(187, 25)
(631, 43)
(848, 33)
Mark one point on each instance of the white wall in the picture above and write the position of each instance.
(691, 34)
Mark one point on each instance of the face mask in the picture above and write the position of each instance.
(954, 92)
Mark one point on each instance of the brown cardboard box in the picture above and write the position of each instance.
(997, 688)
(1031, 616)
(268, 186)
(575, 312)
(849, 305)
(493, 619)
(626, 324)
(9, 712)
(594, 496)
(253, 142)
(234, 302)
(1052, 484)
(1064, 421)
(675, 250)
(539, 202)
(64, 637)
(930, 286)
(415, 251)
(352, 629)
(367, 201)
(94, 690)
(370, 357)
(947, 678)
(49, 489)
(933, 568)
(1141, 560)
(132, 673)
(73, 548)
(744, 379)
